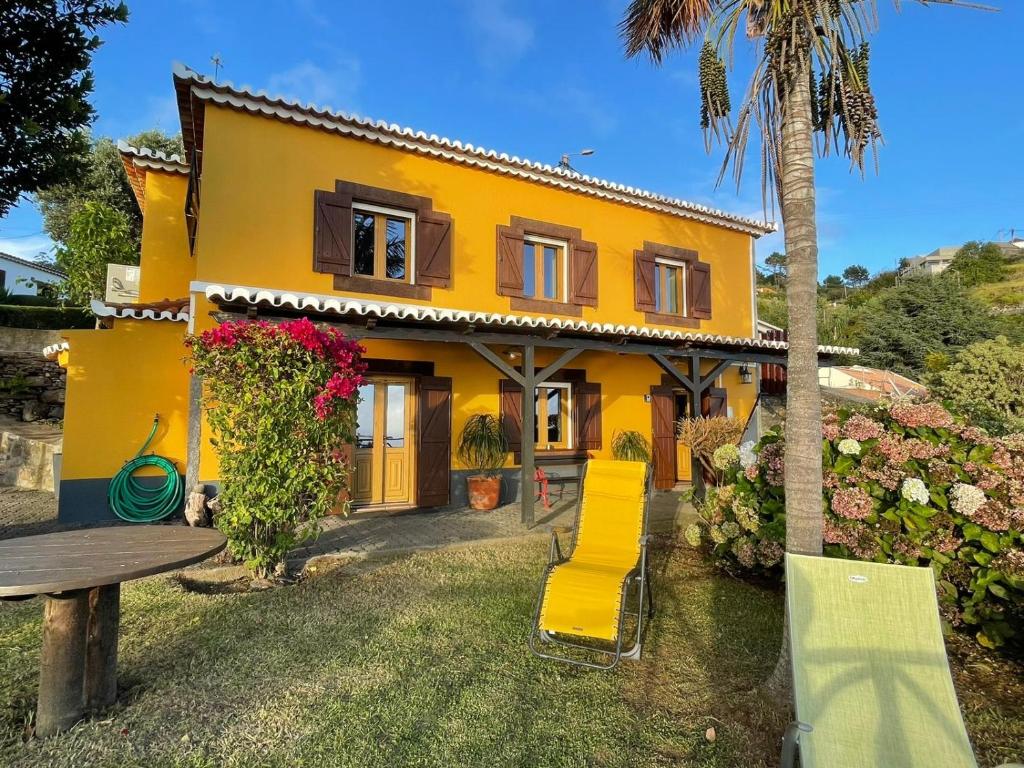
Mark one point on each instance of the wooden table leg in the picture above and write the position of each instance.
(62, 662)
(101, 647)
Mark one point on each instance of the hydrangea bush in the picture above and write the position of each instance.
(281, 402)
(903, 483)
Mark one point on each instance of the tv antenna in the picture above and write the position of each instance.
(218, 62)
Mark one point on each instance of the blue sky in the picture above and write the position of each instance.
(536, 79)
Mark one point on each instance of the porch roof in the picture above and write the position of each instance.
(556, 331)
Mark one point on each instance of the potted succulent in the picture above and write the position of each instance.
(484, 448)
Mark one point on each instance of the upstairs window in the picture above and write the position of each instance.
(383, 242)
(545, 269)
(670, 287)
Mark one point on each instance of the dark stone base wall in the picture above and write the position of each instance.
(31, 387)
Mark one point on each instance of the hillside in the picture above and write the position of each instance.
(913, 324)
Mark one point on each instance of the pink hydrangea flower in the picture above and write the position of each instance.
(852, 503)
(860, 427)
(914, 415)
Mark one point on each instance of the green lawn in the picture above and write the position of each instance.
(422, 661)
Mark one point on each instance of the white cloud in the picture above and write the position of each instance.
(31, 248)
(336, 87)
(499, 34)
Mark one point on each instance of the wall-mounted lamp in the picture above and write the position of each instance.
(512, 353)
(746, 375)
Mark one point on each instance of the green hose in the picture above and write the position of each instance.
(134, 502)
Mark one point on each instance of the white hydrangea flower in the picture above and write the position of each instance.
(914, 489)
(849, 447)
(747, 455)
(966, 498)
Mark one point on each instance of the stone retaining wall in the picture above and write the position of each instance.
(31, 387)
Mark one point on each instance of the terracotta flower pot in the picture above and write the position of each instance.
(484, 491)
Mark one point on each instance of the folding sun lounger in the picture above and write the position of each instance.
(584, 598)
(870, 676)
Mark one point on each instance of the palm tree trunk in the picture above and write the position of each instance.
(803, 483)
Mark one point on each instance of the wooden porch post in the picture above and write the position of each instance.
(696, 468)
(529, 424)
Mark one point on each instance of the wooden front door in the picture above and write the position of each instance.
(385, 464)
(684, 470)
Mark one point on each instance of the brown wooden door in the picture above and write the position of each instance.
(435, 441)
(663, 437)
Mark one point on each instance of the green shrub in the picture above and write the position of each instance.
(904, 484)
(630, 445)
(483, 445)
(27, 300)
(281, 401)
(46, 318)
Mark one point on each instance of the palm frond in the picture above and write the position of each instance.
(656, 26)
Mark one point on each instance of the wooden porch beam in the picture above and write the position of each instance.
(669, 367)
(529, 383)
(564, 359)
(714, 373)
(495, 359)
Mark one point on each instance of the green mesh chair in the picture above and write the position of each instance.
(870, 676)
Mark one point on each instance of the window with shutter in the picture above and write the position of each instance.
(381, 241)
(567, 410)
(673, 287)
(546, 267)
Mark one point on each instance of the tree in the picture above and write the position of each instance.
(776, 263)
(833, 287)
(811, 74)
(985, 383)
(978, 263)
(97, 235)
(103, 180)
(856, 275)
(46, 49)
(902, 325)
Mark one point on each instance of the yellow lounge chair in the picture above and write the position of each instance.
(584, 597)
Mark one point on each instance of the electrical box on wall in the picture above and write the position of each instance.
(122, 284)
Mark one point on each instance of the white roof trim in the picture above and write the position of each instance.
(143, 157)
(52, 351)
(380, 131)
(342, 305)
(130, 313)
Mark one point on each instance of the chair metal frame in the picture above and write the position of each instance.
(639, 575)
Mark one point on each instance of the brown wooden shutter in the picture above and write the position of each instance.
(583, 273)
(643, 276)
(332, 233)
(587, 415)
(512, 413)
(510, 262)
(434, 238)
(663, 437)
(433, 471)
(714, 402)
(699, 290)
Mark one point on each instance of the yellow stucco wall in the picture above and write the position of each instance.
(256, 220)
(117, 380)
(167, 266)
(256, 229)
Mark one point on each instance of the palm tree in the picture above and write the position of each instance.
(810, 76)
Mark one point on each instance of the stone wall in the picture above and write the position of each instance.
(31, 387)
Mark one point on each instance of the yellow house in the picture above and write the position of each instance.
(469, 276)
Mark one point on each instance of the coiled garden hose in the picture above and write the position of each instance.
(134, 502)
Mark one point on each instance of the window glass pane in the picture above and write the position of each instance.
(551, 272)
(536, 414)
(364, 417)
(672, 290)
(554, 398)
(395, 428)
(529, 270)
(657, 288)
(396, 248)
(364, 234)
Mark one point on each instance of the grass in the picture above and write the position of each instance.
(422, 661)
(1007, 292)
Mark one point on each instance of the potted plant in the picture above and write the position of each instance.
(631, 446)
(484, 448)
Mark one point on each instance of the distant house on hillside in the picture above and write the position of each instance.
(933, 263)
(860, 383)
(24, 278)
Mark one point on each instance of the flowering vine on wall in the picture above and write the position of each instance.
(280, 400)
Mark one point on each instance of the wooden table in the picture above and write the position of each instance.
(80, 573)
